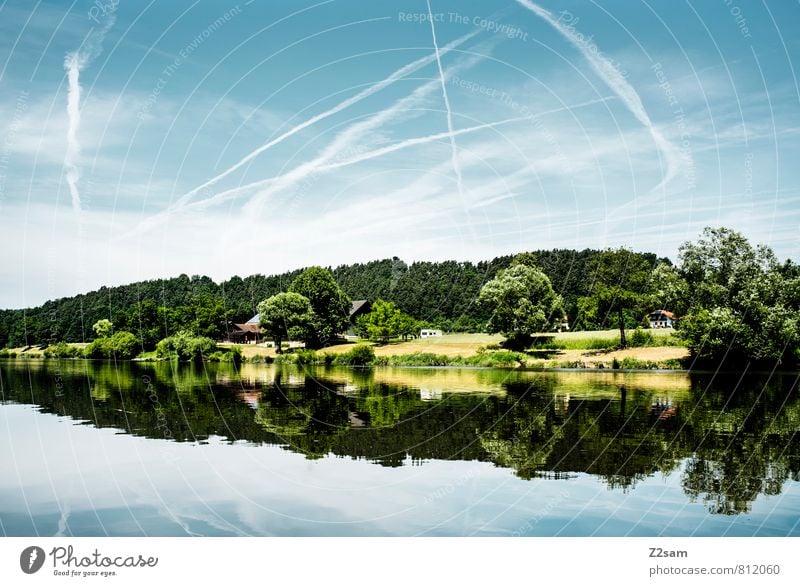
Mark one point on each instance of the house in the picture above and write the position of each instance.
(357, 309)
(661, 318)
(246, 333)
(430, 333)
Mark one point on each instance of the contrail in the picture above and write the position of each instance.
(619, 85)
(365, 93)
(373, 154)
(453, 146)
(344, 141)
(73, 63)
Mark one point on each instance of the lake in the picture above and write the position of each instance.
(161, 449)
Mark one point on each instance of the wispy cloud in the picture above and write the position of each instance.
(363, 94)
(74, 63)
(612, 77)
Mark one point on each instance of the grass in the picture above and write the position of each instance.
(658, 349)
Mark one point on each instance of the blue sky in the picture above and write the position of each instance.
(141, 140)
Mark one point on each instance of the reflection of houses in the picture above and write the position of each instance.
(430, 394)
(246, 333)
(430, 333)
(357, 309)
(663, 409)
(661, 318)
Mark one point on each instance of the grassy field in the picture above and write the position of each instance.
(568, 349)
(580, 349)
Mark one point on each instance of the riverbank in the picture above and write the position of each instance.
(562, 350)
(592, 350)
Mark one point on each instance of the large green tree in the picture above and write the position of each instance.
(619, 290)
(385, 322)
(522, 301)
(744, 306)
(330, 304)
(287, 316)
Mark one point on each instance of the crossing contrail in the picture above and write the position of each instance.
(382, 151)
(365, 93)
(453, 146)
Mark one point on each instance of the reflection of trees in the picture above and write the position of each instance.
(735, 445)
(745, 443)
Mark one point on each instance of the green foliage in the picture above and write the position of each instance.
(185, 347)
(522, 302)
(385, 322)
(230, 355)
(619, 291)
(359, 355)
(668, 290)
(743, 307)
(287, 316)
(122, 345)
(306, 357)
(331, 306)
(641, 338)
(63, 350)
(103, 328)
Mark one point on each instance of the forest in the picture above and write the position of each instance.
(439, 294)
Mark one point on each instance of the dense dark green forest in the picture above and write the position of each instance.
(442, 294)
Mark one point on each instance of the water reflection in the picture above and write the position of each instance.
(728, 440)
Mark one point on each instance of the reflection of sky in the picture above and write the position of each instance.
(79, 480)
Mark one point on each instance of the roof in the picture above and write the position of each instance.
(256, 319)
(662, 313)
(358, 306)
(247, 327)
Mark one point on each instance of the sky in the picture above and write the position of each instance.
(141, 140)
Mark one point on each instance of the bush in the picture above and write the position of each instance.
(185, 347)
(98, 348)
(306, 357)
(62, 350)
(359, 355)
(640, 338)
(123, 345)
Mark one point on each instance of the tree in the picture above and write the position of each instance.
(185, 347)
(287, 316)
(103, 328)
(668, 289)
(382, 323)
(621, 279)
(522, 302)
(330, 304)
(743, 305)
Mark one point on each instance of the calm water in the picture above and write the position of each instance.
(89, 448)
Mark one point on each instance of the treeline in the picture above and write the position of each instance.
(440, 294)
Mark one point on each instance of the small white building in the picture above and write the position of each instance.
(661, 318)
(430, 333)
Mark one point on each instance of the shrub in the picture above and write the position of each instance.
(640, 338)
(98, 348)
(185, 347)
(306, 357)
(359, 355)
(123, 345)
(62, 350)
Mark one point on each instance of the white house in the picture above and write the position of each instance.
(661, 318)
(430, 333)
